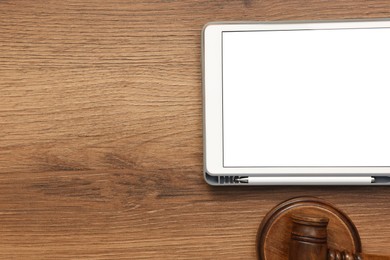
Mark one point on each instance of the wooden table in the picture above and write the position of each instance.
(101, 133)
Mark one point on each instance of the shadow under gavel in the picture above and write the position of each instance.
(309, 242)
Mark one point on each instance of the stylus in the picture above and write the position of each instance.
(306, 180)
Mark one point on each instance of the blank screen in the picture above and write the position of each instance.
(306, 98)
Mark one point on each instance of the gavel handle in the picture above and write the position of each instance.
(344, 255)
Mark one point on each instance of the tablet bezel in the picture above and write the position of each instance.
(212, 97)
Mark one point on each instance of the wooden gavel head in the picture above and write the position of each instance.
(308, 238)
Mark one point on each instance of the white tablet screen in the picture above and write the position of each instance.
(306, 98)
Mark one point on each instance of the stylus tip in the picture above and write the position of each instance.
(243, 180)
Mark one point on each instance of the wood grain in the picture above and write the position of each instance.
(101, 133)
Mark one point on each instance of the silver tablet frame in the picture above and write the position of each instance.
(212, 104)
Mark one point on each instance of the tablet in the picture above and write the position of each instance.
(302, 103)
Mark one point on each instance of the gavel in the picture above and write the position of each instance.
(309, 242)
